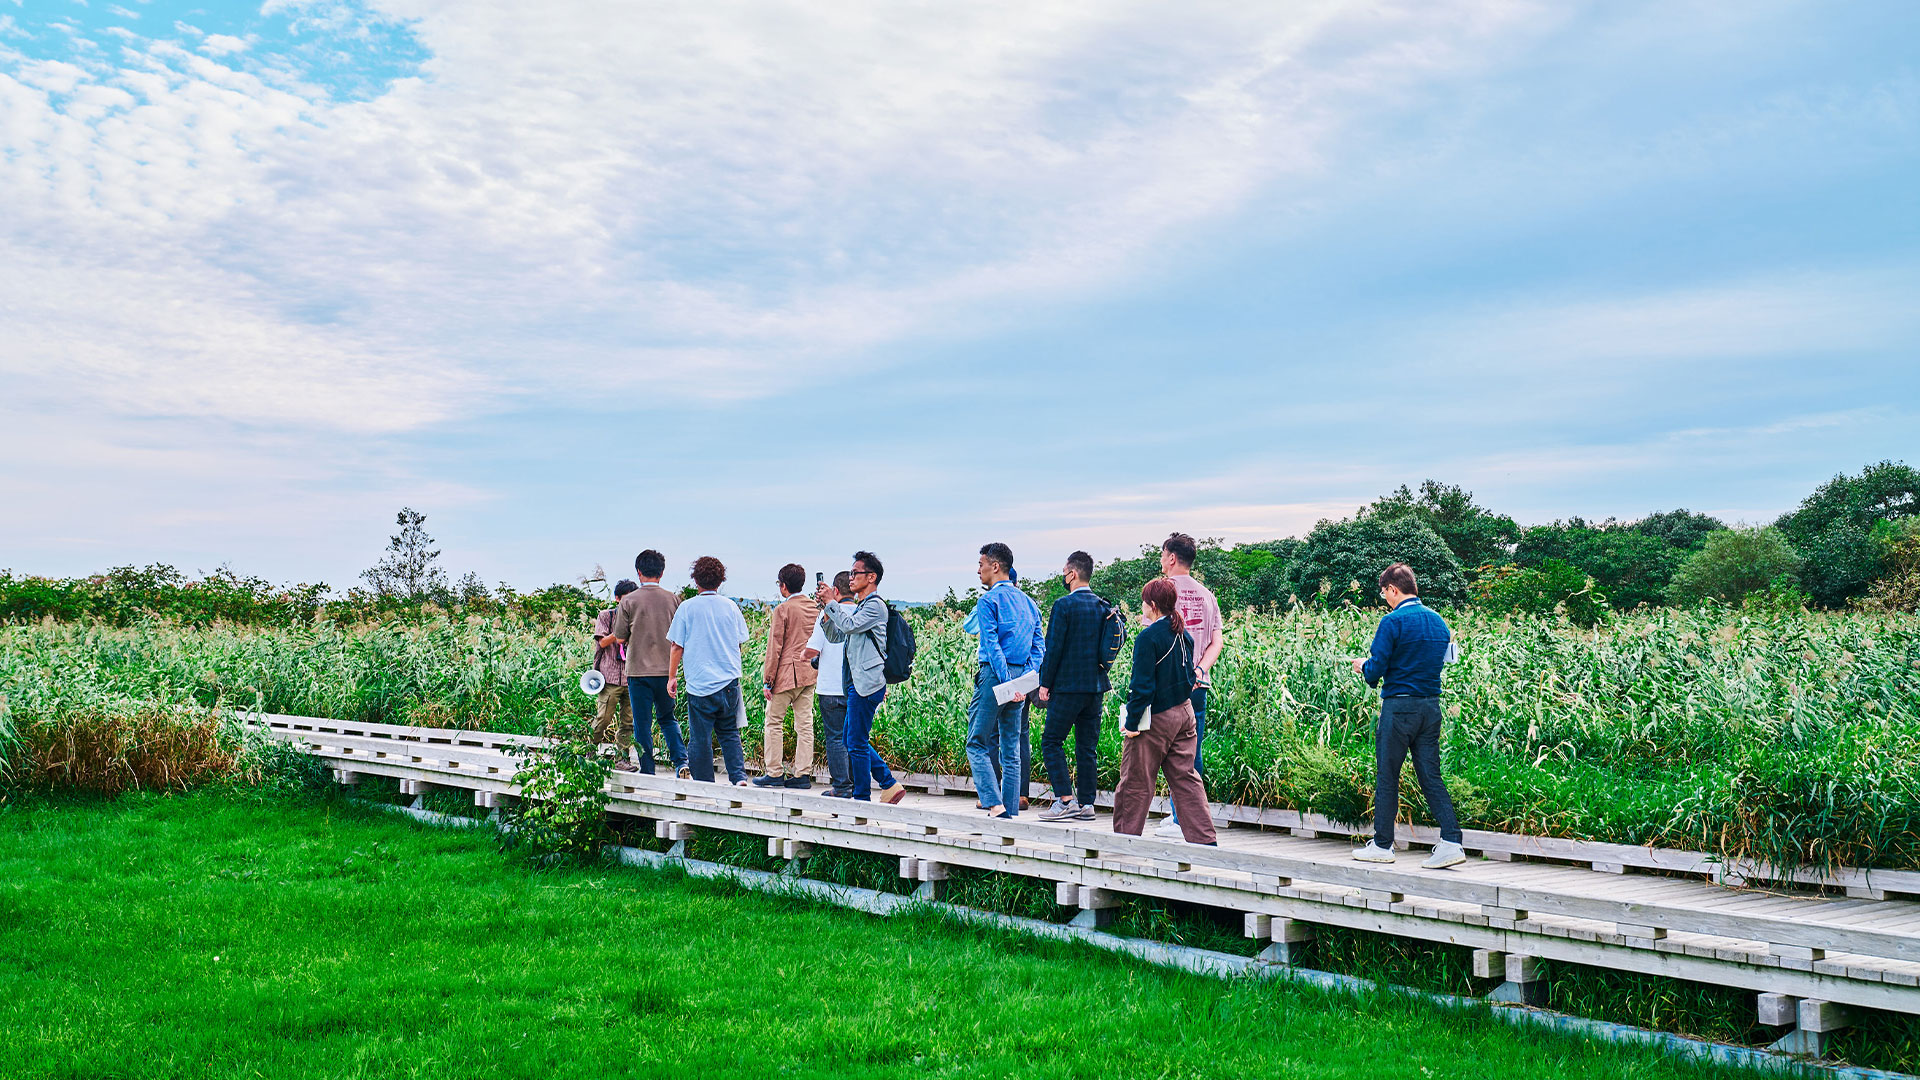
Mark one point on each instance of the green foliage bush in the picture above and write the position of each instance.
(1834, 528)
(563, 812)
(1735, 564)
(1476, 536)
(1340, 562)
(1553, 588)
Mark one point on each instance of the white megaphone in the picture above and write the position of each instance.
(592, 682)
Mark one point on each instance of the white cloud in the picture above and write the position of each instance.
(729, 190)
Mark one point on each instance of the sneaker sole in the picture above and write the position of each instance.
(1430, 864)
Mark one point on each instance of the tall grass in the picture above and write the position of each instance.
(1785, 736)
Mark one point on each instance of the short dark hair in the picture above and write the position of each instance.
(872, 562)
(843, 581)
(1162, 594)
(650, 564)
(1400, 576)
(999, 553)
(1181, 547)
(793, 576)
(709, 572)
(626, 586)
(1081, 563)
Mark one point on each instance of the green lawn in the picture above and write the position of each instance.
(204, 936)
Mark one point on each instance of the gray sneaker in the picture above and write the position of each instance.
(1061, 810)
(1373, 853)
(1445, 854)
(1085, 813)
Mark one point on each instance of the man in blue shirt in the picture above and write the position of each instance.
(1408, 651)
(706, 634)
(1010, 643)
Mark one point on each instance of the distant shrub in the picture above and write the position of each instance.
(1735, 563)
(1340, 561)
(1553, 588)
(563, 783)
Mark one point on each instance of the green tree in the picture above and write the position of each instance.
(1476, 536)
(1631, 567)
(1340, 561)
(1682, 528)
(1834, 528)
(410, 570)
(1554, 588)
(1734, 564)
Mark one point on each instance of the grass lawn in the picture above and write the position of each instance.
(202, 935)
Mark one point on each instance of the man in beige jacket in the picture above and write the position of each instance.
(788, 683)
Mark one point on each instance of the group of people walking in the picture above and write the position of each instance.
(827, 653)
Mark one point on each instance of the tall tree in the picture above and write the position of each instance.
(1476, 536)
(410, 570)
(1834, 529)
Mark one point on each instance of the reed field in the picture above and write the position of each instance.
(1789, 736)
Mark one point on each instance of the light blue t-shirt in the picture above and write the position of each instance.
(709, 630)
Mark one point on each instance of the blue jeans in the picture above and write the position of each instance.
(1200, 729)
(993, 735)
(1409, 724)
(832, 710)
(714, 714)
(864, 767)
(648, 694)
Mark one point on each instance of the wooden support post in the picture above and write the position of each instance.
(1862, 892)
(931, 876)
(1096, 907)
(1066, 894)
(910, 868)
(1488, 964)
(1289, 938)
(1609, 868)
(797, 850)
(774, 847)
(1778, 1010)
(1309, 834)
(1507, 913)
(346, 777)
(673, 830)
(1637, 934)
(1499, 856)
(1798, 952)
(1526, 982)
(1816, 1021)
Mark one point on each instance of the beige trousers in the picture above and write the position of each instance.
(613, 723)
(798, 701)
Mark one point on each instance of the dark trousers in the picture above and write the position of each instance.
(716, 714)
(832, 709)
(1409, 724)
(1080, 715)
(648, 694)
(864, 767)
(1199, 703)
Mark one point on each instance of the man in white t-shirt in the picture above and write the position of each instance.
(1200, 613)
(830, 693)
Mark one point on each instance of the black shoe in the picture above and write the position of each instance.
(836, 793)
(770, 781)
(801, 783)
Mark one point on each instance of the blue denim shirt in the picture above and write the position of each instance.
(1009, 629)
(1409, 649)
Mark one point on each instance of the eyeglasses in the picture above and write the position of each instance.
(858, 573)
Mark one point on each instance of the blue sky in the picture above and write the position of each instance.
(774, 282)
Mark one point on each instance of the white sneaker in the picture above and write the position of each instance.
(1169, 829)
(1445, 854)
(1373, 853)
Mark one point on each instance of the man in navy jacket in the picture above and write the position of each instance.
(1408, 651)
(1072, 687)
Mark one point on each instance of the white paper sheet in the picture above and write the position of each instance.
(1013, 688)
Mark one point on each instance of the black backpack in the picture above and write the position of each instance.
(898, 648)
(1113, 634)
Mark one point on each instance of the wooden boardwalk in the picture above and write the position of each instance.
(1807, 955)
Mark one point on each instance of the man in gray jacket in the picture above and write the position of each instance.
(863, 628)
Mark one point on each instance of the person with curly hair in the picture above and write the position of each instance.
(707, 634)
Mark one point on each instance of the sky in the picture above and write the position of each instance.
(775, 282)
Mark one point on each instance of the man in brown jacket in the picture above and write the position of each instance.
(787, 683)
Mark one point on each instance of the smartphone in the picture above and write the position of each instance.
(819, 580)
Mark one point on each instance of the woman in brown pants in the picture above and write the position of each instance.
(1158, 728)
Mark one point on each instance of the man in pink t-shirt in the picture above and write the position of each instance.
(1201, 613)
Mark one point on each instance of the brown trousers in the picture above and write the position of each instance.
(799, 702)
(1167, 745)
(613, 723)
